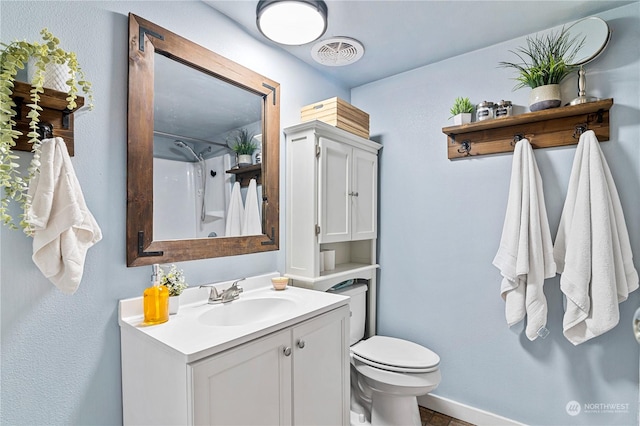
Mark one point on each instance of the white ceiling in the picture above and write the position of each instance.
(400, 35)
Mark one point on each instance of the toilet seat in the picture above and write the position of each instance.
(398, 355)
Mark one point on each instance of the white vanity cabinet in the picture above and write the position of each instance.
(291, 367)
(331, 205)
(295, 376)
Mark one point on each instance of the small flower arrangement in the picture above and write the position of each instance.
(174, 280)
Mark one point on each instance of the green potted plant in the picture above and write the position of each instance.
(176, 283)
(544, 62)
(244, 146)
(461, 111)
(13, 57)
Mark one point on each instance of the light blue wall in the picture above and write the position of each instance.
(61, 354)
(441, 221)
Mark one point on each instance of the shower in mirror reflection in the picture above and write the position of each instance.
(191, 188)
(202, 172)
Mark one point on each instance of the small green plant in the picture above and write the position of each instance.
(243, 143)
(174, 280)
(547, 59)
(13, 58)
(461, 105)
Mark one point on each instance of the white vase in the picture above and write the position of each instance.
(174, 305)
(55, 75)
(244, 160)
(462, 118)
(545, 97)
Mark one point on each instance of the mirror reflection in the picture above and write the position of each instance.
(192, 149)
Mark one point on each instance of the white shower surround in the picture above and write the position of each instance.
(177, 198)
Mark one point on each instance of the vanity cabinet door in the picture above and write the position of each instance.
(321, 370)
(248, 385)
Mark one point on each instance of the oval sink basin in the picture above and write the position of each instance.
(242, 312)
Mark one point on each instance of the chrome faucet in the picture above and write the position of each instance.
(224, 296)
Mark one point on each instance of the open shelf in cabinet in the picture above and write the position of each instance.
(54, 112)
(544, 129)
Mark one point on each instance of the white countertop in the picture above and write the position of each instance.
(186, 336)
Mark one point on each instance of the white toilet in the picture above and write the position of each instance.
(387, 374)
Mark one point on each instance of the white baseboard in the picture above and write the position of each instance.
(464, 412)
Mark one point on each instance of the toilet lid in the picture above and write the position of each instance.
(390, 353)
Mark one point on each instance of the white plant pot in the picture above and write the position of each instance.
(174, 305)
(462, 118)
(244, 160)
(545, 97)
(55, 75)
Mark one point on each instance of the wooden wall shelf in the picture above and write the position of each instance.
(54, 111)
(544, 129)
(245, 174)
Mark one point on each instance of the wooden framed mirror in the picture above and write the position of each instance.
(185, 120)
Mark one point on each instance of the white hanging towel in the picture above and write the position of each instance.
(235, 214)
(64, 228)
(252, 225)
(525, 255)
(592, 248)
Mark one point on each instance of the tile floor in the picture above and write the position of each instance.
(433, 418)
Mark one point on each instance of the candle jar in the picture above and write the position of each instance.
(485, 111)
(504, 109)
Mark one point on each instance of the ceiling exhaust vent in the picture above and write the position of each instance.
(337, 52)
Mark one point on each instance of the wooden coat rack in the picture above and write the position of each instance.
(54, 114)
(544, 129)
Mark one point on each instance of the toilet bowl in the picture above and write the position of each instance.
(387, 373)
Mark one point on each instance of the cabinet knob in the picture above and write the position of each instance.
(301, 343)
(287, 351)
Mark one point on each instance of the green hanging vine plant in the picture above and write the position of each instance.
(14, 57)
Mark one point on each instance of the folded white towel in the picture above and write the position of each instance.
(235, 213)
(592, 247)
(252, 225)
(64, 228)
(525, 256)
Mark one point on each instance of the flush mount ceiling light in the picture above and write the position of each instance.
(292, 22)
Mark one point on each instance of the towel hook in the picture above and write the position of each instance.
(579, 130)
(517, 138)
(465, 147)
(45, 131)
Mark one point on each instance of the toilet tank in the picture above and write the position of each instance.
(358, 308)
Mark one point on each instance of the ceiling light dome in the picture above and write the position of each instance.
(292, 22)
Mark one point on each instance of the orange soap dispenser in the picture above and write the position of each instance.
(156, 301)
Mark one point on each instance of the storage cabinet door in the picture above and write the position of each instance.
(248, 385)
(335, 186)
(364, 195)
(321, 370)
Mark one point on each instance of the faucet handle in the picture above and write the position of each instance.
(213, 293)
(237, 287)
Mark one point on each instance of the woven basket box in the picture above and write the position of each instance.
(338, 113)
